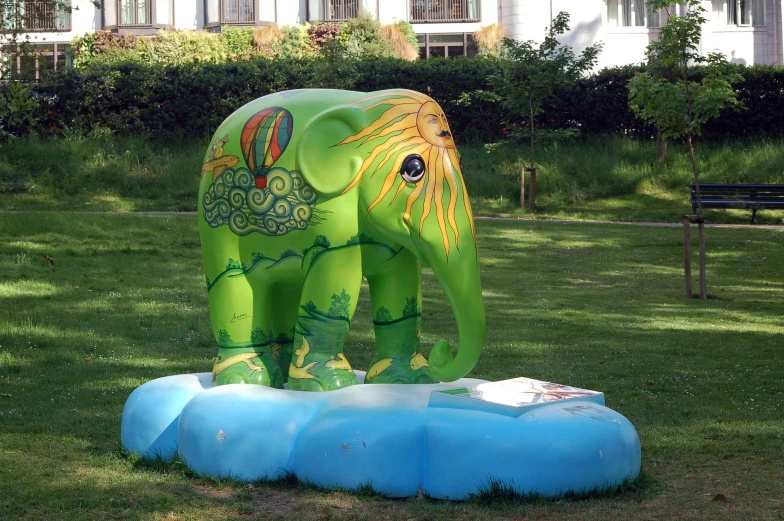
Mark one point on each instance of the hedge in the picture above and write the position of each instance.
(193, 100)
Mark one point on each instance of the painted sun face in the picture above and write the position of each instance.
(412, 124)
(432, 125)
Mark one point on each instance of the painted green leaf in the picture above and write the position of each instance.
(383, 315)
(258, 336)
(411, 307)
(340, 304)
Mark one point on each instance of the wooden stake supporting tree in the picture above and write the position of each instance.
(668, 96)
(688, 220)
(532, 188)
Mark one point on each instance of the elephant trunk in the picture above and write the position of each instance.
(460, 283)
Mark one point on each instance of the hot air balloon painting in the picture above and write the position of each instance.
(264, 138)
(261, 196)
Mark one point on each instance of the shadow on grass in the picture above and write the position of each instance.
(493, 492)
(285, 480)
(500, 492)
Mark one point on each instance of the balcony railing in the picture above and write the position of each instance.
(340, 10)
(425, 11)
(46, 16)
(35, 15)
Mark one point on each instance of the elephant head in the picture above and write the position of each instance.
(394, 152)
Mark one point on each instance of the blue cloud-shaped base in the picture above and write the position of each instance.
(384, 435)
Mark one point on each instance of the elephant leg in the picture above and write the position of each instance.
(329, 298)
(285, 303)
(240, 318)
(396, 298)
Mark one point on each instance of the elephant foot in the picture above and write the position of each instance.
(238, 366)
(400, 369)
(320, 373)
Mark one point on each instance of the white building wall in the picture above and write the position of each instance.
(527, 20)
(745, 45)
(188, 14)
(291, 12)
(392, 11)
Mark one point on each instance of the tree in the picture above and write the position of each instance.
(669, 95)
(531, 78)
(18, 106)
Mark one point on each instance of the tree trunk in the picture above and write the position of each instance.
(696, 175)
(701, 219)
(664, 152)
(532, 188)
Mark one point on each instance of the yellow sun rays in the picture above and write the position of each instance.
(395, 136)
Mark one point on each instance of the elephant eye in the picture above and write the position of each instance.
(413, 169)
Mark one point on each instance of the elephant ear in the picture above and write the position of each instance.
(325, 164)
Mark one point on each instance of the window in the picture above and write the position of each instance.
(340, 10)
(31, 62)
(135, 12)
(446, 45)
(423, 11)
(36, 15)
(741, 12)
(239, 12)
(634, 13)
(152, 14)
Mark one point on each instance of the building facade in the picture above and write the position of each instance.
(746, 31)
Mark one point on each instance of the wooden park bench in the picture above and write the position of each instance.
(750, 196)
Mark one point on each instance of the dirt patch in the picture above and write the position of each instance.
(212, 492)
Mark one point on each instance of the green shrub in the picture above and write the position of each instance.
(296, 42)
(83, 49)
(105, 48)
(19, 110)
(362, 38)
(179, 48)
(239, 42)
(333, 69)
(194, 98)
(119, 55)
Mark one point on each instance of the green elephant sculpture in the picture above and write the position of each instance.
(305, 192)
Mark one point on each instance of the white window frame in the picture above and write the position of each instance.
(618, 15)
(730, 13)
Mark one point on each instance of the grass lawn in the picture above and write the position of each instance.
(589, 305)
(610, 178)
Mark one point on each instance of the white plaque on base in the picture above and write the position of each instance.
(510, 397)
